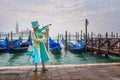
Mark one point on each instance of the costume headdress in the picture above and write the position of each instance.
(35, 24)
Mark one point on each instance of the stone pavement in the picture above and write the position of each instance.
(109, 71)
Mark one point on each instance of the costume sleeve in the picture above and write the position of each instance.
(33, 37)
(44, 28)
(41, 29)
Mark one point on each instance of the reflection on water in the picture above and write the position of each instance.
(20, 59)
(57, 57)
(13, 58)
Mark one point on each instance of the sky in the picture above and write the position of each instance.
(64, 15)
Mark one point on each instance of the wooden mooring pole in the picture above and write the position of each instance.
(86, 24)
(69, 36)
(99, 41)
(81, 35)
(0, 36)
(108, 44)
(58, 40)
(76, 38)
(92, 40)
(22, 35)
(105, 45)
(47, 36)
(11, 36)
(111, 34)
(66, 44)
(8, 35)
(88, 36)
(76, 35)
(30, 33)
(119, 45)
(116, 35)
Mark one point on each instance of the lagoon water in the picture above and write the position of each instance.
(21, 59)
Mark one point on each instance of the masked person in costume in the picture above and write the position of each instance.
(37, 51)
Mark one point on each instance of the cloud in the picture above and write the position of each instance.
(58, 12)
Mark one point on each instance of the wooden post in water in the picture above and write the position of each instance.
(106, 35)
(47, 35)
(84, 37)
(86, 24)
(99, 43)
(22, 35)
(58, 40)
(8, 35)
(30, 33)
(76, 36)
(11, 36)
(111, 34)
(77, 39)
(66, 44)
(116, 35)
(119, 44)
(92, 40)
(88, 36)
(69, 36)
(0, 37)
(81, 35)
(108, 44)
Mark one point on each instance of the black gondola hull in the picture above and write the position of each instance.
(18, 50)
(2, 50)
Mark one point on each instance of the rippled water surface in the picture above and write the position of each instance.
(21, 59)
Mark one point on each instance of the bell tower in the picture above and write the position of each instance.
(17, 28)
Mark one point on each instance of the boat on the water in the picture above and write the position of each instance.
(75, 48)
(54, 46)
(72, 47)
(18, 46)
(81, 42)
(3, 45)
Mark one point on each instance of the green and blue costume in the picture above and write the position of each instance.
(38, 53)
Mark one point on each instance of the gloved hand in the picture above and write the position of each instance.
(39, 40)
(47, 27)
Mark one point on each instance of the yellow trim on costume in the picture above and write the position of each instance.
(46, 50)
(35, 41)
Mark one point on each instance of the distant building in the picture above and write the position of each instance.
(1, 32)
(25, 32)
(17, 28)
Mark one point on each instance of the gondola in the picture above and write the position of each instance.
(3, 46)
(72, 47)
(27, 43)
(54, 46)
(81, 42)
(18, 46)
(18, 49)
(75, 48)
(2, 49)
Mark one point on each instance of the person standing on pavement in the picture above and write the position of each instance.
(38, 50)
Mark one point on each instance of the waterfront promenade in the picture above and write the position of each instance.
(102, 71)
